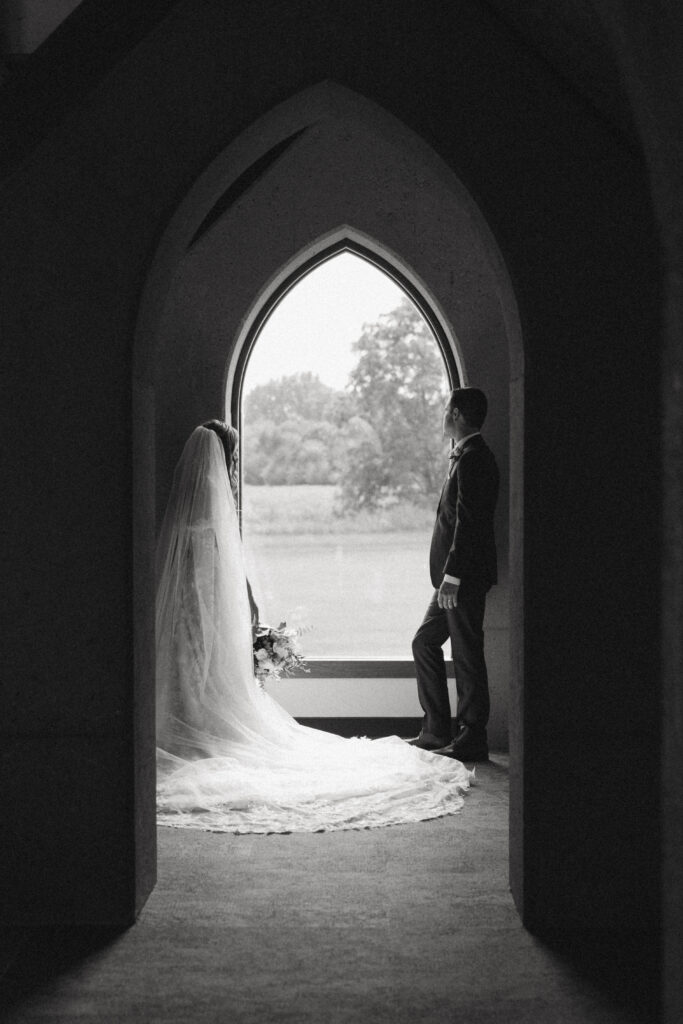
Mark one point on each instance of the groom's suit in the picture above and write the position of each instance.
(463, 546)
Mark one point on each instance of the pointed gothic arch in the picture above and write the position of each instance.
(350, 241)
(326, 168)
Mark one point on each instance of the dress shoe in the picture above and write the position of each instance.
(468, 745)
(424, 743)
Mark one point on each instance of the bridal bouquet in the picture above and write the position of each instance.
(276, 652)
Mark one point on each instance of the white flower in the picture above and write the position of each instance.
(278, 652)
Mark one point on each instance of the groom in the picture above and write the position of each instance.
(462, 563)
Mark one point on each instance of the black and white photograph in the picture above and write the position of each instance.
(342, 512)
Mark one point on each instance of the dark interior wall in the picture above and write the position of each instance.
(649, 46)
(567, 202)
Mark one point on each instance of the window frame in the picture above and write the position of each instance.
(336, 667)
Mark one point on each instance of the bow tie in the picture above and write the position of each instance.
(454, 454)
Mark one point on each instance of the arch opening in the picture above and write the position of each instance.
(338, 391)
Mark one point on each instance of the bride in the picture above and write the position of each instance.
(229, 757)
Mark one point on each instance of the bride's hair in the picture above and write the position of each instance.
(229, 438)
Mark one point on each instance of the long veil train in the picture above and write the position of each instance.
(229, 757)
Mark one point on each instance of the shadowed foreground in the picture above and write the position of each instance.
(410, 923)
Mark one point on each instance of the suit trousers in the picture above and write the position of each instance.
(464, 625)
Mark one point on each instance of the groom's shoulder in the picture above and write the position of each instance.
(477, 447)
(477, 453)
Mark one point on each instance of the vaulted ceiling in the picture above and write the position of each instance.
(568, 35)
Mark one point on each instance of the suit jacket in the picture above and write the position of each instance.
(463, 542)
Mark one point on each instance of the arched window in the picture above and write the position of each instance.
(344, 378)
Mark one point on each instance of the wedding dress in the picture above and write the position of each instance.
(229, 757)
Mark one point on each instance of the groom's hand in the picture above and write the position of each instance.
(448, 595)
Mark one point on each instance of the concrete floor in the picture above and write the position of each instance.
(411, 923)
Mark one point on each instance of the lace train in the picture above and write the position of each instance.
(307, 780)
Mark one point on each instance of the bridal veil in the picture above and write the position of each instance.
(229, 757)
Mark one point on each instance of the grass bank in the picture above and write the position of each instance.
(314, 509)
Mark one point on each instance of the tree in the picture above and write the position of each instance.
(399, 386)
(380, 439)
(297, 430)
(298, 396)
(296, 451)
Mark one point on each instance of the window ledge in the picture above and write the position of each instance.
(362, 668)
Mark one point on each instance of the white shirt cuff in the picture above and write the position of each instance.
(451, 579)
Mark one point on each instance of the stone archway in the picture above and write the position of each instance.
(323, 166)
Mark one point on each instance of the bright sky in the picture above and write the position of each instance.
(316, 323)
